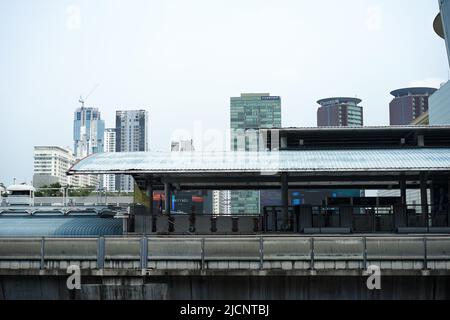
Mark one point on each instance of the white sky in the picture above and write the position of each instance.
(183, 59)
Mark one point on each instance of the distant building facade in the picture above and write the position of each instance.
(51, 164)
(440, 100)
(340, 112)
(221, 202)
(131, 136)
(423, 120)
(2, 192)
(249, 113)
(442, 24)
(440, 106)
(408, 105)
(109, 180)
(88, 132)
(182, 145)
(333, 112)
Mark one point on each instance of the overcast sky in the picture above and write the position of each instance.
(183, 59)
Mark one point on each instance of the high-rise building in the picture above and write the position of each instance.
(439, 113)
(51, 164)
(109, 180)
(442, 24)
(340, 112)
(440, 100)
(131, 136)
(408, 105)
(88, 132)
(182, 145)
(249, 113)
(333, 112)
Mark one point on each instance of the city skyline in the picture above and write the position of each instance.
(300, 74)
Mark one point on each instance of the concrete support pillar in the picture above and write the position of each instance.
(283, 142)
(149, 214)
(150, 197)
(403, 190)
(285, 199)
(424, 193)
(448, 208)
(263, 144)
(346, 217)
(305, 218)
(168, 196)
(421, 140)
(400, 217)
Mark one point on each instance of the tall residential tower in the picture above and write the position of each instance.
(408, 105)
(109, 180)
(340, 112)
(131, 136)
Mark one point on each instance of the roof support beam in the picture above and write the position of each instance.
(285, 199)
(168, 197)
(403, 187)
(424, 194)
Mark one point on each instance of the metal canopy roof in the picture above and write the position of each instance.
(301, 161)
(59, 226)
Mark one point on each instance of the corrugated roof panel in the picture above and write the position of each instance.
(289, 161)
(59, 227)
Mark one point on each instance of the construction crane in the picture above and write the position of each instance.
(82, 100)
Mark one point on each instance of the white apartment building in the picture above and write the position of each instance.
(109, 180)
(51, 164)
(221, 202)
(182, 145)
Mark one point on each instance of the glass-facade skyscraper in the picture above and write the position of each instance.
(439, 110)
(249, 113)
(442, 24)
(88, 132)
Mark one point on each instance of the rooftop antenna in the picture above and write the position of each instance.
(82, 100)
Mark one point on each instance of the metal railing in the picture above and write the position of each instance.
(342, 219)
(206, 253)
(358, 219)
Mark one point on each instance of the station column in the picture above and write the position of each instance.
(424, 193)
(168, 197)
(285, 199)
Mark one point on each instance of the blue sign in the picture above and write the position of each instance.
(270, 98)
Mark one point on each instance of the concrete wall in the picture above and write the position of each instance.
(225, 287)
(226, 267)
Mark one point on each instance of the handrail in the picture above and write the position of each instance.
(363, 250)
